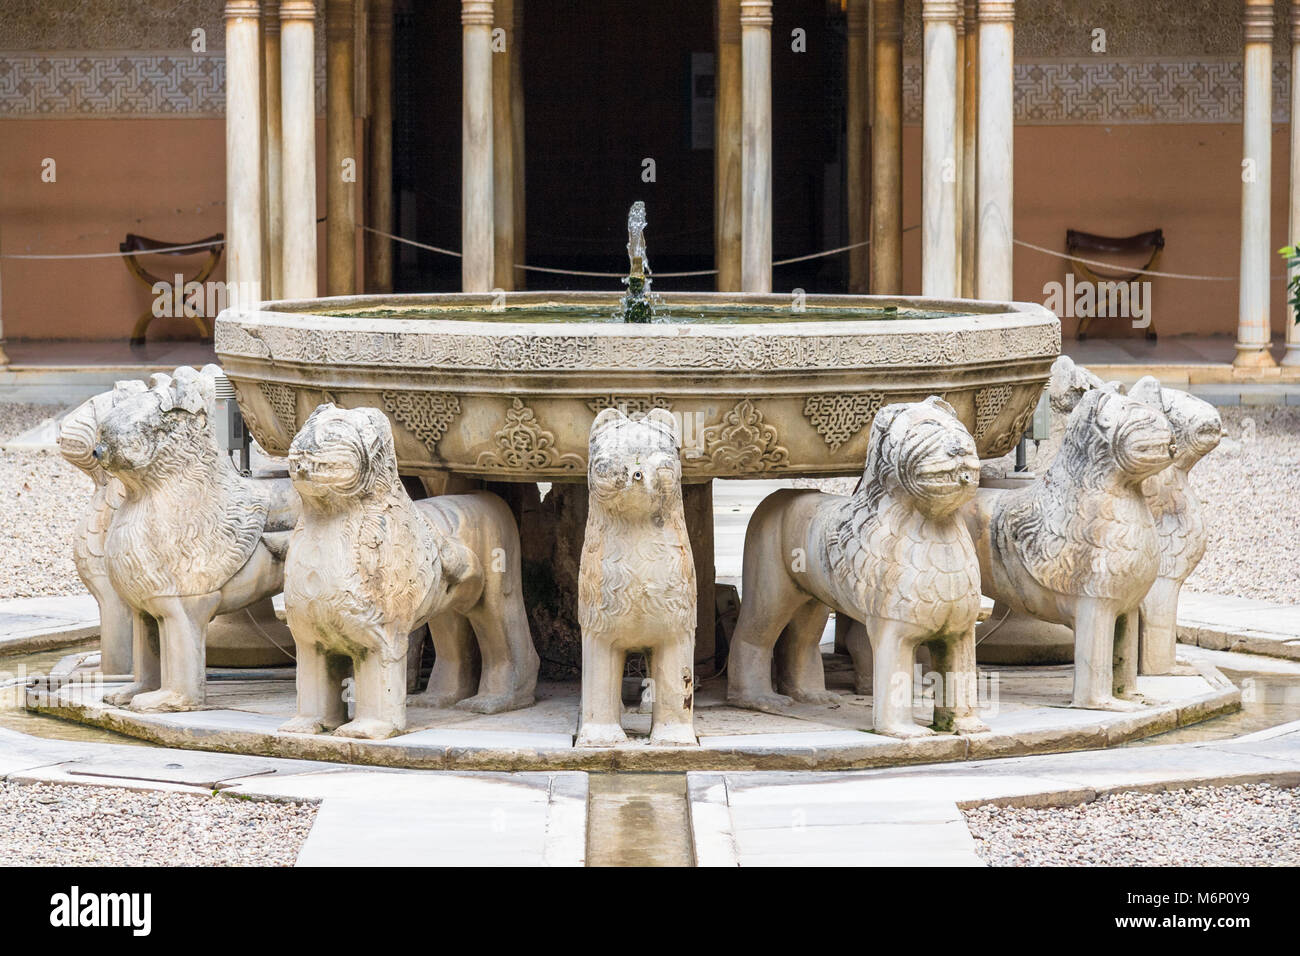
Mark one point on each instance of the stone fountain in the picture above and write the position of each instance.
(503, 389)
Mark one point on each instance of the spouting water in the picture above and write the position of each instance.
(637, 305)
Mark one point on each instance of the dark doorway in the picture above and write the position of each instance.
(609, 85)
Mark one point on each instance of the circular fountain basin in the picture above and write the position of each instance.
(506, 386)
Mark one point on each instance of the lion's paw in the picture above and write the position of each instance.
(969, 725)
(492, 703)
(124, 696)
(600, 735)
(303, 725)
(814, 696)
(163, 702)
(672, 735)
(767, 702)
(367, 728)
(905, 731)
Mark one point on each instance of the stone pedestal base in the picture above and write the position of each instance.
(1008, 637)
(253, 637)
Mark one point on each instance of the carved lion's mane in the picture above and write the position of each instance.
(189, 521)
(870, 546)
(619, 546)
(1084, 520)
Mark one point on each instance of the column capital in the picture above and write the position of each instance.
(857, 14)
(236, 9)
(297, 10)
(476, 13)
(338, 19)
(1257, 21)
(380, 14)
(996, 11)
(728, 21)
(942, 10)
(756, 13)
(888, 20)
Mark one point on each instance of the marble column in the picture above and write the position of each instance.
(756, 146)
(477, 208)
(272, 197)
(243, 151)
(298, 148)
(995, 163)
(969, 137)
(1253, 331)
(340, 150)
(887, 148)
(727, 147)
(503, 152)
(857, 138)
(4, 358)
(959, 144)
(940, 273)
(517, 142)
(379, 151)
(1292, 356)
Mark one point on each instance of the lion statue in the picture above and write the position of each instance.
(1180, 525)
(192, 538)
(1078, 545)
(367, 566)
(893, 555)
(636, 579)
(78, 437)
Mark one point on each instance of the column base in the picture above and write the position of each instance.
(1253, 356)
(4, 358)
(1291, 358)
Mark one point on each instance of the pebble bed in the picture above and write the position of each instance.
(44, 498)
(69, 825)
(1254, 825)
(1247, 484)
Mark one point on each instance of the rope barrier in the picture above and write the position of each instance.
(113, 255)
(619, 275)
(1115, 265)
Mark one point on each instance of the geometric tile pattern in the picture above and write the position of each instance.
(1095, 90)
(151, 84)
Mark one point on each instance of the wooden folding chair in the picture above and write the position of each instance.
(1086, 245)
(136, 246)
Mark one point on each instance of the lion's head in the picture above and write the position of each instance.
(1109, 433)
(1196, 424)
(635, 468)
(79, 433)
(923, 450)
(158, 428)
(343, 453)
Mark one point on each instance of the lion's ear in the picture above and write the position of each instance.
(1147, 391)
(936, 402)
(380, 443)
(194, 392)
(669, 421)
(606, 418)
(161, 383)
(320, 409)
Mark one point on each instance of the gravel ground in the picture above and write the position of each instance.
(63, 825)
(44, 498)
(1254, 524)
(1255, 825)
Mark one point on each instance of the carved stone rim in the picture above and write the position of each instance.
(294, 331)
